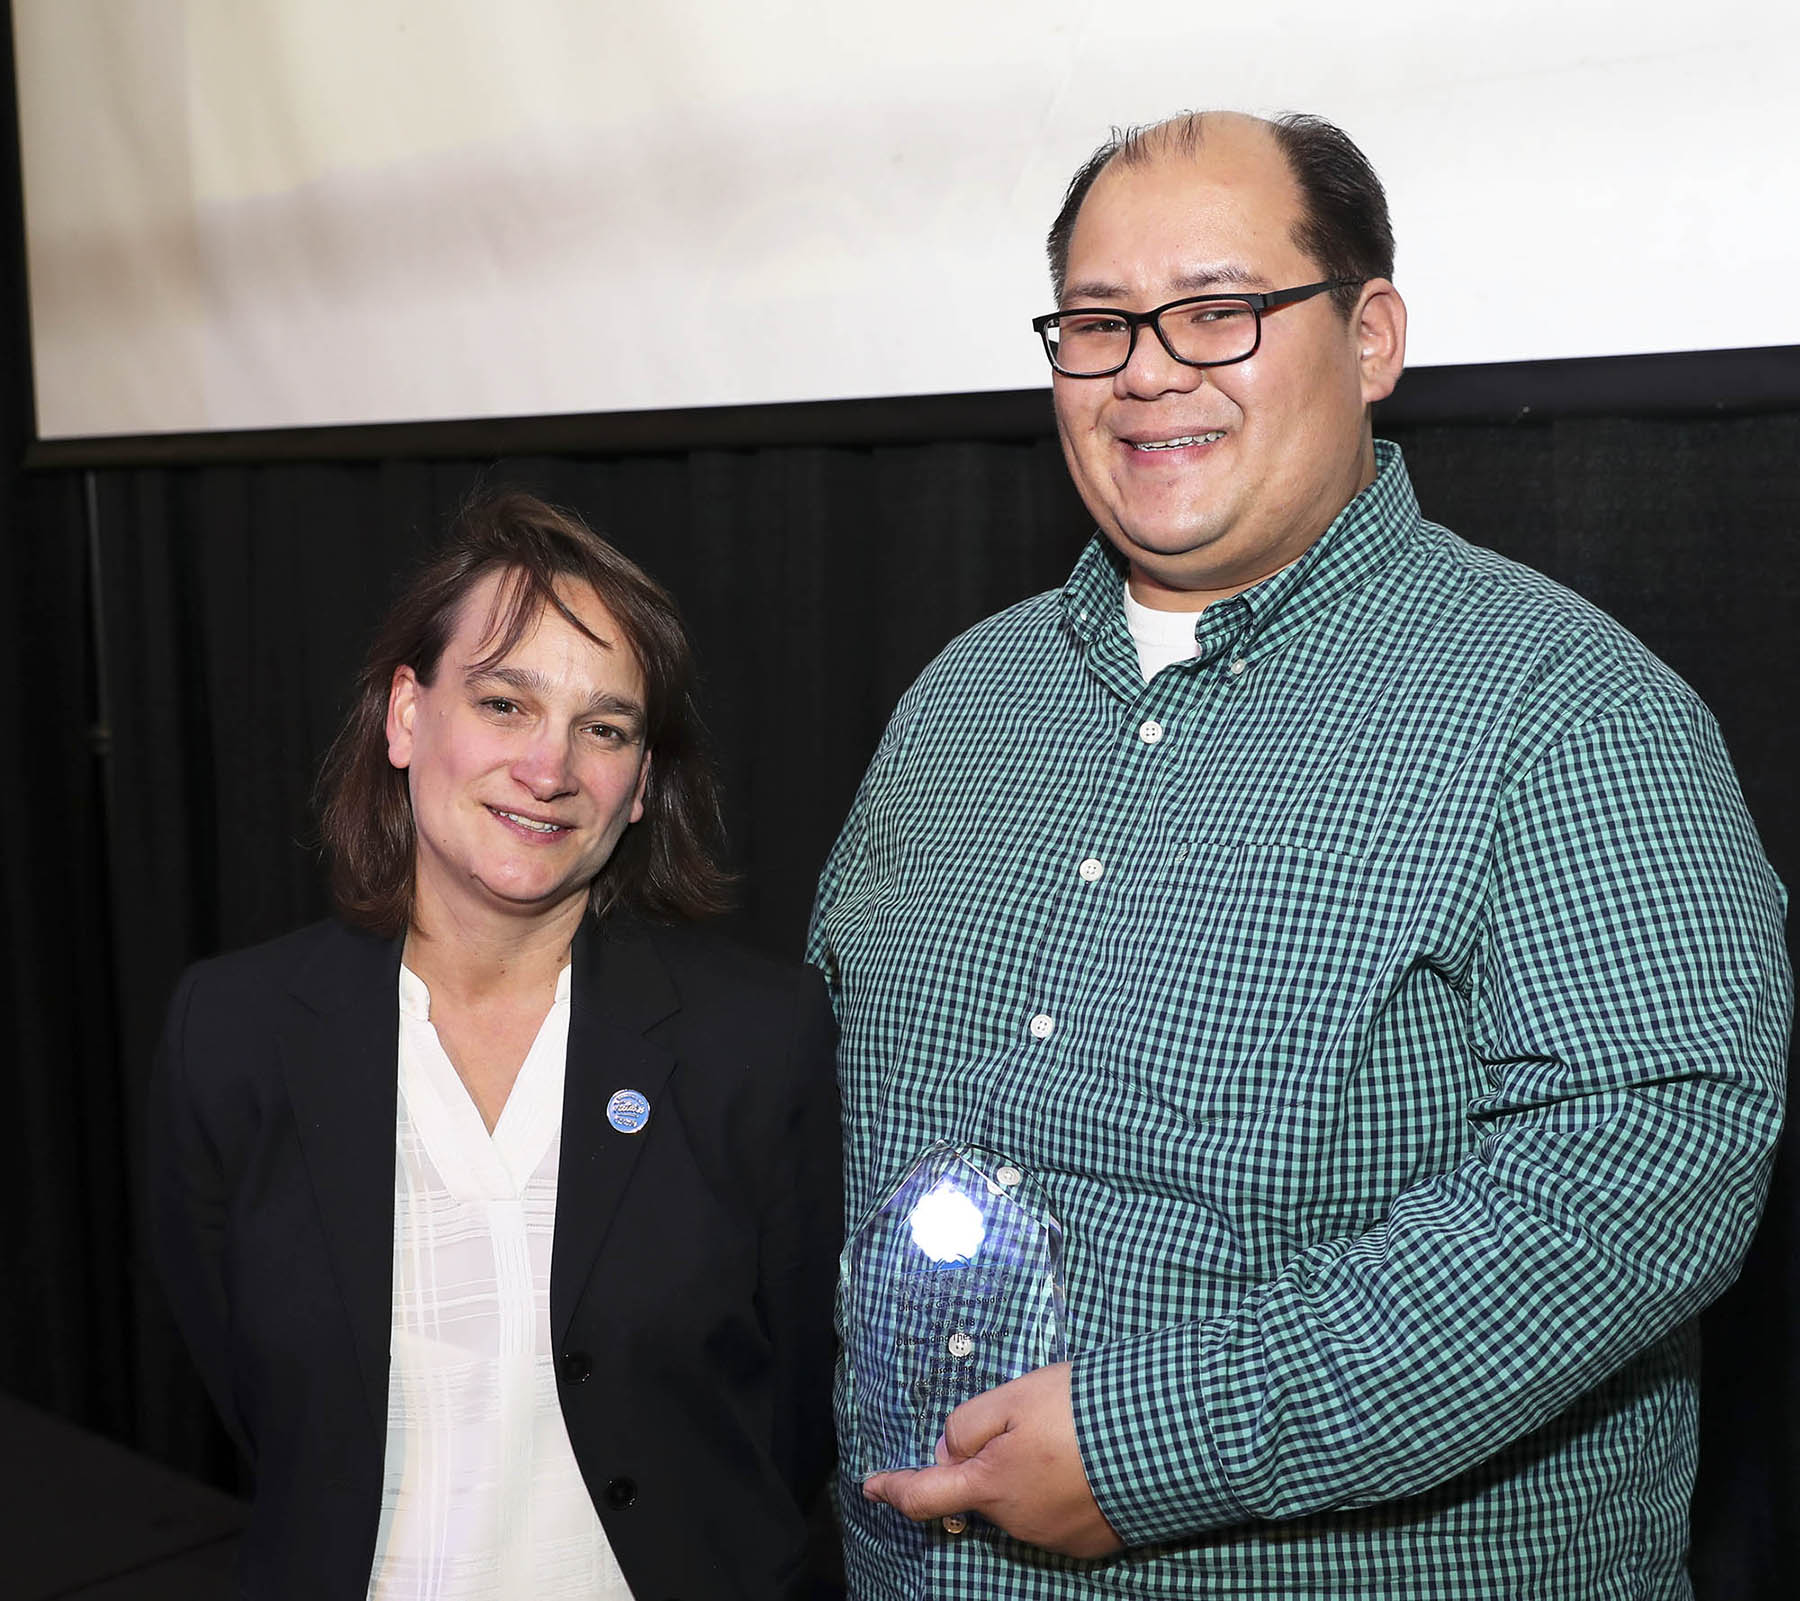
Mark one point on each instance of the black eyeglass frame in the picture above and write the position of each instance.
(1258, 303)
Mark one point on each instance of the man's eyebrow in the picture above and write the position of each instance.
(528, 681)
(1200, 281)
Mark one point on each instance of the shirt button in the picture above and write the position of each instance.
(1007, 1177)
(1091, 869)
(620, 1493)
(1150, 732)
(955, 1523)
(1043, 1026)
(1238, 666)
(959, 1344)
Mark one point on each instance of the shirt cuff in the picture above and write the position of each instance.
(1145, 1444)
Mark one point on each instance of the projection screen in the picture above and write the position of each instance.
(254, 214)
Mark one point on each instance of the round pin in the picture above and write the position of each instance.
(628, 1111)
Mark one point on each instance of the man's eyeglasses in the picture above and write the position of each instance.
(1200, 331)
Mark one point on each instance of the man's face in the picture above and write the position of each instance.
(1274, 446)
(523, 771)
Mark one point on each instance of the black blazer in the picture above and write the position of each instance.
(691, 1276)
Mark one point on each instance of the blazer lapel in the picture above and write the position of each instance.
(340, 1059)
(619, 990)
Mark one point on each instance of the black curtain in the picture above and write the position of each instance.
(66, 1304)
(232, 602)
(816, 583)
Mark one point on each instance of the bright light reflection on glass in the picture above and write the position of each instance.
(946, 1225)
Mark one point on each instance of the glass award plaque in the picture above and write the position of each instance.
(952, 1286)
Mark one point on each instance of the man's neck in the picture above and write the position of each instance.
(1154, 595)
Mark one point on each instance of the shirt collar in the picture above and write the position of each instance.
(1362, 539)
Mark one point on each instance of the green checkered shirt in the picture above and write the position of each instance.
(1391, 1003)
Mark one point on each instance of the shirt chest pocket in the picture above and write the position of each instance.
(1236, 975)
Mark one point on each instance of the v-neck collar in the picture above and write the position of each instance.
(472, 1162)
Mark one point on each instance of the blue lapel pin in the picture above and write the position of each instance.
(628, 1111)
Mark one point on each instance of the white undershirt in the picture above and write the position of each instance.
(481, 1497)
(1162, 637)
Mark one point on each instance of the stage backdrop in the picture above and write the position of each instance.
(308, 212)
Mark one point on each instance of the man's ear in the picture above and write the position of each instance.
(403, 707)
(1380, 328)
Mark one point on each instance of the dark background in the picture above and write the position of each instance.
(177, 639)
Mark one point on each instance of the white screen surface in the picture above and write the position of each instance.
(290, 213)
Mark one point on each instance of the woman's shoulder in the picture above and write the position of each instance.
(753, 1034)
(306, 965)
(702, 961)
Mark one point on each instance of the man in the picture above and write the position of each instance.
(1358, 938)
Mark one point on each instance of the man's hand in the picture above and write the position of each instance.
(1010, 1454)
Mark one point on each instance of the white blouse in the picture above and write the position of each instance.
(481, 1497)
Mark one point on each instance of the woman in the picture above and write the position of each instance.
(502, 1215)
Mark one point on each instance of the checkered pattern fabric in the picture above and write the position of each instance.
(1391, 1003)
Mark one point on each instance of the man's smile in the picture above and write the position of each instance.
(1178, 442)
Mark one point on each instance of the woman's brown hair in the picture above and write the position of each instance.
(667, 865)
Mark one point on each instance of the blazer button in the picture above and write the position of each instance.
(620, 1493)
(576, 1366)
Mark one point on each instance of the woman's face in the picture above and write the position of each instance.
(524, 770)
